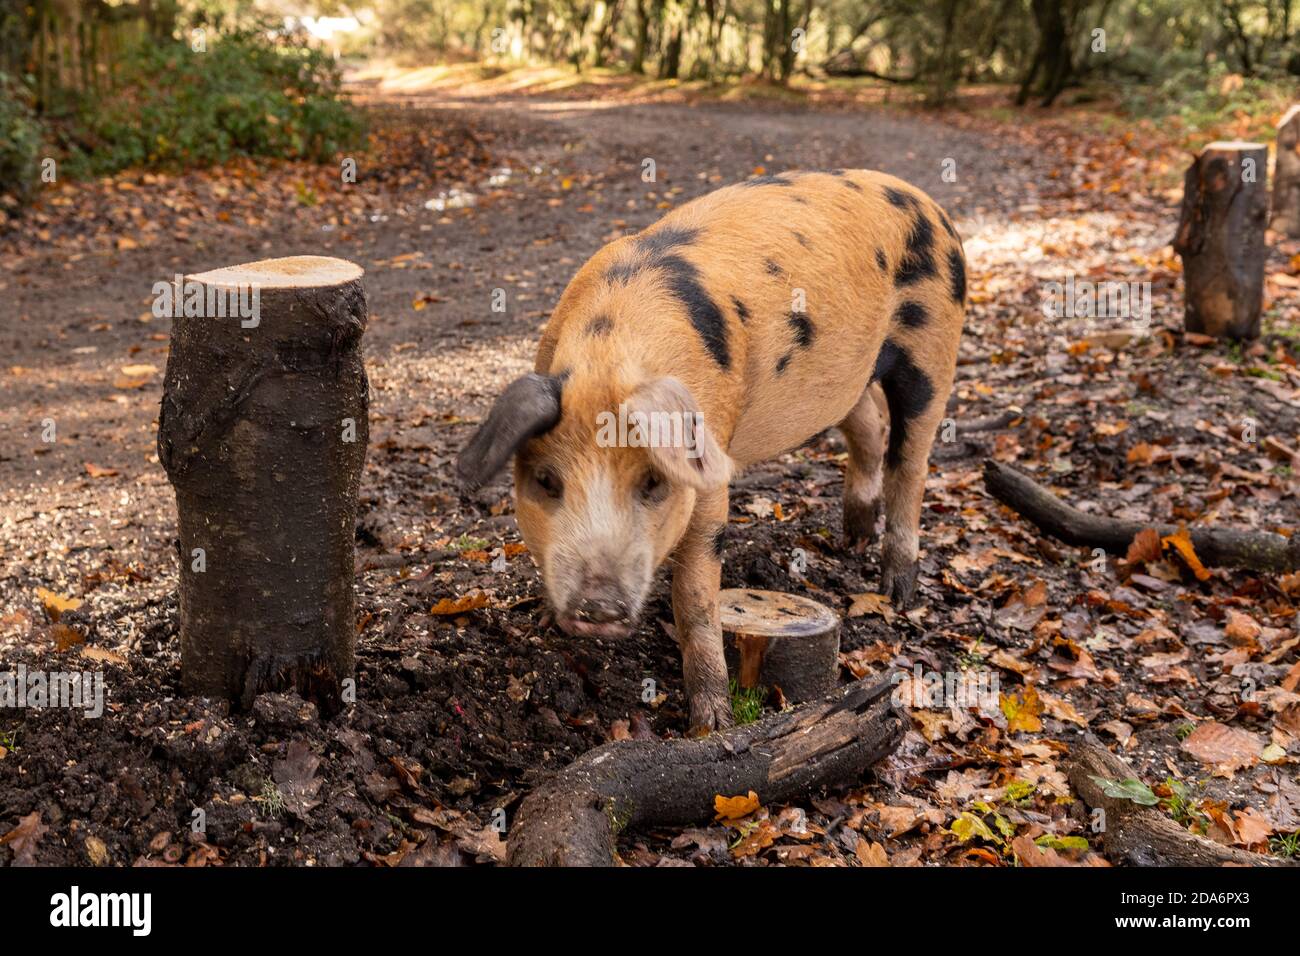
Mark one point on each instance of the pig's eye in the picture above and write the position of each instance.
(653, 486)
(548, 482)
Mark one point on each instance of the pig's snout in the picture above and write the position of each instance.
(600, 608)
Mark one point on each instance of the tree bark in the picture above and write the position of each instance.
(1143, 836)
(574, 818)
(781, 640)
(1220, 547)
(1286, 172)
(1221, 239)
(262, 433)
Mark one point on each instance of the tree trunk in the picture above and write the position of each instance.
(1286, 182)
(1221, 239)
(263, 432)
(574, 818)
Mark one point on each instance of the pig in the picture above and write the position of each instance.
(742, 324)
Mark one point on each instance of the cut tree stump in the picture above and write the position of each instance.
(1221, 239)
(1138, 835)
(1286, 175)
(574, 818)
(780, 640)
(262, 433)
(1219, 547)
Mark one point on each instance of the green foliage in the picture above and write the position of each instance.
(247, 95)
(21, 136)
(746, 703)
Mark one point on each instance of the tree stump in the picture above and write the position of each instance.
(262, 433)
(1286, 175)
(780, 640)
(1221, 239)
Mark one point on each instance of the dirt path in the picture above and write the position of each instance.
(456, 713)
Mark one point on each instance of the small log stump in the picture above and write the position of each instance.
(1286, 175)
(1221, 239)
(780, 640)
(262, 433)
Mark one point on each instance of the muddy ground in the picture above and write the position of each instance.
(457, 715)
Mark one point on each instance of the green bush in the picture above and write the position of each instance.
(246, 95)
(20, 143)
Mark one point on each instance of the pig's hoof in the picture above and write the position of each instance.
(709, 712)
(899, 581)
(860, 519)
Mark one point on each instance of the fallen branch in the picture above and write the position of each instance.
(1143, 836)
(1221, 547)
(574, 818)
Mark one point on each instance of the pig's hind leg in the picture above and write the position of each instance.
(864, 431)
(916, 395)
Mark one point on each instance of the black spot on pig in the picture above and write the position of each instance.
(705, 316)
(908, 393)
(661, 241)
(850, 184)
(881, 260)
(947, 226)
(918, 256)
(773, 268)
(800, 238)
(660, 253)
(911, 314)
(783, 363)
(779, 180)
(957, 275)
(803, 329)
(896, 197)
(600, 326)
(742, 310)
(719, 541)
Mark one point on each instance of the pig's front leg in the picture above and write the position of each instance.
(697, 575)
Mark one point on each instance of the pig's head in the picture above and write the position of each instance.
(601, 505)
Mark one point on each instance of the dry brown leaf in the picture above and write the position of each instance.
(733, 808)
(1181, 542)
(1225, 748)
(56, 604)
(24, 838)
(471, 601)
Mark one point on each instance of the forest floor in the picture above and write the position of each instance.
(1193, 681)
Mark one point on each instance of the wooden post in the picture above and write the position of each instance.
(780, 640)
(263, 432)
(1221, 239)
(1286, 175)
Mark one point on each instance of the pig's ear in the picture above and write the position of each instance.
(528, 407)
(698, 461)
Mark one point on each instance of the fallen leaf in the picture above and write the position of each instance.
(56, 604)
(24, 838)
(733, 808)
(471, 601)
(1022, 711)
(1225, 748)
(1181, 542)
